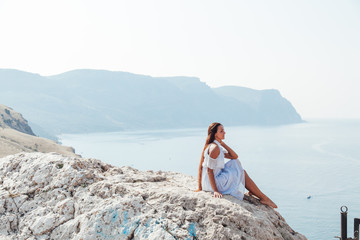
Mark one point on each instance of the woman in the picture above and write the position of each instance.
(221, 178)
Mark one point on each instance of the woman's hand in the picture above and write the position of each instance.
(217, 195)
(231, 154)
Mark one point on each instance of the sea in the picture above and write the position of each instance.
(310, 170)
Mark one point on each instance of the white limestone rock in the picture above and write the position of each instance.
(49, 196)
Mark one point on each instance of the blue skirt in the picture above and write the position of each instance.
(229, 180)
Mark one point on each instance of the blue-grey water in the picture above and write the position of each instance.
(310, 170)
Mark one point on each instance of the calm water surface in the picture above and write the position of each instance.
(310, 170)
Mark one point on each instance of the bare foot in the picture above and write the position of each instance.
(267, 201)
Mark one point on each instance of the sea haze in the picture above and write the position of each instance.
(310, 170)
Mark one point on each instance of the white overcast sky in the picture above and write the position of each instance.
(307, 49)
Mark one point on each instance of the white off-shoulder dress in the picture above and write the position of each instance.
(229, 177)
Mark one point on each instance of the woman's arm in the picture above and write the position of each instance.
(214, 153)
(210, 172)
(199, 178)
(231, 154)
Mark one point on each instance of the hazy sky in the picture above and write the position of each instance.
(307, 49)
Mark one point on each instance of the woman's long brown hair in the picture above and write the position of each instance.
(210, 138)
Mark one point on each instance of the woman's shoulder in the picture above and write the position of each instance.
(214, 150)
(213, 146)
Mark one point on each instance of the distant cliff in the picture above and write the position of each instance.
(82, 101)
(268, 106)
(11, 119)
(16, 136)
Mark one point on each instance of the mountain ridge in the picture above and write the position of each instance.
(89, 100)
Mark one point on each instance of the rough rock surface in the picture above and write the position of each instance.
(49, 196)
(11, 119)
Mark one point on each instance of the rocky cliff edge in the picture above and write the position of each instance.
(49, 196)
(11, 119)
(16, 136)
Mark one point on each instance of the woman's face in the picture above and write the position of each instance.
(220, 134)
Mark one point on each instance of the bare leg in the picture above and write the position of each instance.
(254, 190)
